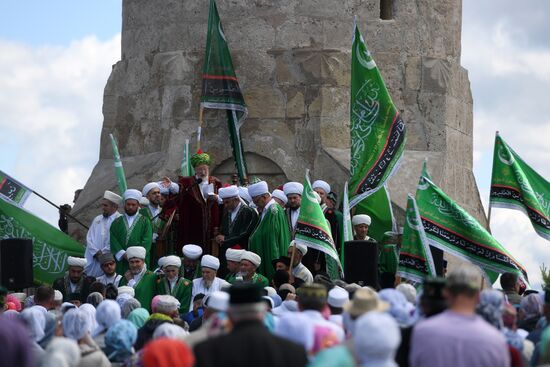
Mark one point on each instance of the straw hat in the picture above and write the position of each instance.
(365, 300)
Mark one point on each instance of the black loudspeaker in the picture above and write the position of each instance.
(437, 256)
(361, 263)
(16, 263)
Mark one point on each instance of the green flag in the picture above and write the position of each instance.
(378, 207)
(51, 247)
(348, 227)
(186, 167)
(415, 258)
(220, 87)
(119, 170)
(451, 229)
(377, 130)
(312, 228)
(515, 185)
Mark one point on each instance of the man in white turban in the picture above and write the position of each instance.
(249, 263)
(361, 223)
(238, 223)
(75, 285)
(299, 270)
(279, 197)
(233, 258)
(170, 282)
(293, 192)
(151, 191)
(271, 237)
(209, 282)
(98, 239)
(130, 229)
(138, 277)
(191, 261)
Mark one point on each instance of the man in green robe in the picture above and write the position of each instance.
(130, 229)
(172, 284)
(271, 237)
(138, 277)
(388, 258)
(249, 263)
(233, 259)
(152, 211)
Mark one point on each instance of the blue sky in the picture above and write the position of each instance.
(56, 56)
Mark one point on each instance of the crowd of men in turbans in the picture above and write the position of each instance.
(196, 273)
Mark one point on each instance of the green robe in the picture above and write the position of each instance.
(256, 279)
(157, 223)
(388, 259)
(270, 239)
(145, 289)
(181, 291)
(121, 238)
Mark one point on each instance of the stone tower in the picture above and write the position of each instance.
(292, 58)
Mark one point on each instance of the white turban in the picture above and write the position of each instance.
(243, 193)
(361, 219)
(132, 194)
(228, 192)
(252, 257)
(279, 194)
(107, 314)
(171, 260)
(320, 184)
(112, 197)
(299, 247)
(218, 301)
(143, 201)
(337, 297)
(233, 255)
(124, 289)
(58, 296)
(258, 189)
(35, 319)
(76, 324)
(191, 251)
(136, 251)
(293, 188)
(210, 261)
(76, 261)
(150, 186)
(167, 304)
(171, 331)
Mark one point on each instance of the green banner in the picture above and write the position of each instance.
(220, 87)
(378, 207)
(515, 185)
(377, 130)
(119, 170)
(348, 227)
(312, 228)
(186, 167)
(13, 190)
(51, 247)
(415, 258)
(452, 229)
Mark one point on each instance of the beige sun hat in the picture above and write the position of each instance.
(365, 300)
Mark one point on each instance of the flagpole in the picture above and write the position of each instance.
(489, 202)
(292, 260)
(201, 116)
(58, 208)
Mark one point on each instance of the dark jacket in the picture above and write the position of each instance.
(249, 344)
(60, 284)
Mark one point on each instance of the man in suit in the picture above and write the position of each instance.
(249, 343)
(238, 223)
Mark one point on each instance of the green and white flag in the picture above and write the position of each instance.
(220, 87)
(378, 207)
(13, 190)
(348, 227)
(377, 130)
(186, 167)
(51, 247)
(415, 259)
(119, 170)
(452, 229)
(312, 228)
(515, 185)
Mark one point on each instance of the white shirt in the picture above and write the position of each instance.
(294, 214)
(234, 212)
(154, 211)
(199, 287)
(105, 280)
(130, 219)
(300, 271)
(266, 208)
(98, 239)
(137, 277)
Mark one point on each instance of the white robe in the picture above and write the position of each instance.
(300, 271)
(115, 279)
(198, 287)
(97, 239)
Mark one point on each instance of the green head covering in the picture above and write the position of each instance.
(138, 317)
(200, 158)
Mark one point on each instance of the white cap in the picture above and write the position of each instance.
(299, 247)
(144, 201)
(58, 296)
(337, 297)
(291, 188)
(218, 301)
(233, 255)
(191, 251)
(279, 194)
(228, 192)
(252, 257)
(136, 252)
(132, 194)
(126, 290)
(258, 189)
(209, 261)
(320, 184)
(171, 260)
(270, 291)
(76, 261)
(361, 219)
(167, 302)
(112, 197)
(243, 193)
(150, 186)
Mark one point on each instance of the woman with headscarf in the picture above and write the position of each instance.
(138, 317)
(90, 311)
(61, 352)
(119, 342)
(400, 309)
(129, 306)
(107, 314)
(49, 330)
(380, 350)
(530, 311)
(166, 352)
(76, 326)
(35, 320)
(15, 345)
(94, 298)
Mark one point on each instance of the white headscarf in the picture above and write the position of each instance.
(376, 351)
(35, 319)
(76, 324)
(107, 314)
(90, 310)
(167, 330)
(61, 352)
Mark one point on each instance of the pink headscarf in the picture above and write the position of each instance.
(11, 298)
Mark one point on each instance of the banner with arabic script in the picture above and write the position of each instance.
(515, 185)
(13, 190)
(415, 258)
(452, 229)
(377, 129)
(51, 247)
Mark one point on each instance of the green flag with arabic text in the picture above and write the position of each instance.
(515, 185)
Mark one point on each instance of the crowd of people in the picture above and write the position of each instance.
(195, 273)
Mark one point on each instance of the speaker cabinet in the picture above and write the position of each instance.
(361, 263)
(16, 270)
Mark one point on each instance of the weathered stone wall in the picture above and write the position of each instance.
(292, 58)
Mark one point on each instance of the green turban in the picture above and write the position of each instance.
(200, 158)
